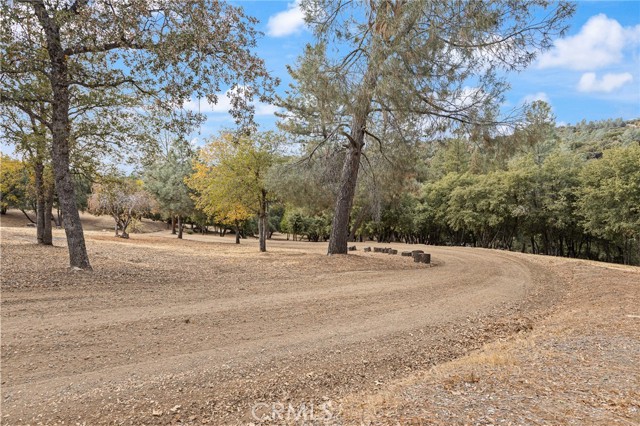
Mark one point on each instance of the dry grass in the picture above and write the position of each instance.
(487, 337)
(579, 365)
(16, 219)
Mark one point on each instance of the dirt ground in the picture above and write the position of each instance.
(203, 331)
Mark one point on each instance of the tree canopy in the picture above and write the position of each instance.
(408, 68)
(124, 199)
(230, 178)
(165, 177)
(84, 57)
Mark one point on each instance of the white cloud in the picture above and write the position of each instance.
(266, 109)
(539, 96)
(599, 43)
(287, 22)
(589, 82)
(204, 107)
(224, 105)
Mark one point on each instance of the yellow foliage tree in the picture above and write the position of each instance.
(15, 185)
(229, 179)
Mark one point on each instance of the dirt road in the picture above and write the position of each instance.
(203, 331)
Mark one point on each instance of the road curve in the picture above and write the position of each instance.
(209, 346)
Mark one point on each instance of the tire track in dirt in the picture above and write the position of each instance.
(58, 358)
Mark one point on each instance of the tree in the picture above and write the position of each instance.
(293, 222)
(609, 199)
(123, 199)
(31, 138)
(14, 185)
(560, 179)
(162, 51)
(230, 179)
(409, 64)
(537, 136)
(165, 180)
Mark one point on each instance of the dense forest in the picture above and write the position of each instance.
(570, 190)
(566, 191)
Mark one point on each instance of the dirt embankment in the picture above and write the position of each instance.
(202, 331)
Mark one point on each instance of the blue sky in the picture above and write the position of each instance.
(593, 73)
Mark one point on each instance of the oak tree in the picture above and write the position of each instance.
(124, 199)
(158, 51)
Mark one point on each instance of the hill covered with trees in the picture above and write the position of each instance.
(545, 189)
(566, 191)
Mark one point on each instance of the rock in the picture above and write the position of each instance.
(32, 225)
(367, 249)
(352, 248)
(378, 249)
(156, 413)
(405, 253)
(422, 257)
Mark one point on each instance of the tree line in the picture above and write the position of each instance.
(564, 191)
(91, 82)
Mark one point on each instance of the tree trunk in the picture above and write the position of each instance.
(60, 128)
(263, 222)
(173, 225)
(180, 227)
(124, 224)
(237, 233)
(348, 180)
(349, 177)
(47, 236)
(262, 234)
(38, 169)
